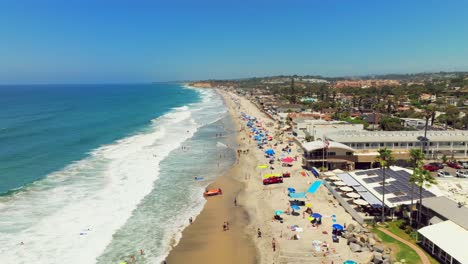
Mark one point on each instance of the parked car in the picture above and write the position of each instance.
(272, 180)
(464, 164)
(454, 165)
(430, 167)
(462, 173)
(437, 164)
(444, 174)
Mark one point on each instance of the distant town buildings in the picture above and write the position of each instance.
(365, 83)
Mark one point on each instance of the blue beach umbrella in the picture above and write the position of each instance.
(291, 190)
(270, 152)
(278, 212)
(338, 226)
(350, 262)
(316, 215)
(295, 207)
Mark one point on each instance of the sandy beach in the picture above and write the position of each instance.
(257, 204)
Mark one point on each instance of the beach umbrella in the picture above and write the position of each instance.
(339, 183)
(295, 207)
(270, 152)
(346, 189)
(278, 212)
(287, 160)
(338, 226)
(360, 202)
(310, 218)
(263, 166)
(353, 195)
(308, 205)
(350, 262)
(316, 215)
(334, 178)
(291, 190)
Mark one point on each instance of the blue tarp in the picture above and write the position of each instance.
(291, 190)
(313, 188)
(297, 195)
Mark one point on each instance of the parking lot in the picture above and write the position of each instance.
(447, 169)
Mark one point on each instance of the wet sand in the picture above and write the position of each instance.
(205, 241)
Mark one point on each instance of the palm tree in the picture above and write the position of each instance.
(422, 178)
(416, 158)
(385, 159)
(428, 114)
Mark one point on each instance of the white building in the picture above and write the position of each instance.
(317, 129)
(448, 142)
(415, 122)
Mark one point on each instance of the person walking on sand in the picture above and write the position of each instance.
(227, 225)
(224, 226)
(273, 244)
(235, 201)
(190, 220)
(259, 233)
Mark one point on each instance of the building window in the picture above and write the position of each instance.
(349, 153)
(367, 144)
(410, 144)
(331, 153)
(396, 144)
(381, 144)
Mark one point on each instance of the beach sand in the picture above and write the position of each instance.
(205, 240)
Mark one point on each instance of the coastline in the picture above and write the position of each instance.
(205, 239)
(257, 203)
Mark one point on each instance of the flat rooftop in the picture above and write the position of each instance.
(397, 136)
(397, 188)
(449, 237)
(449, 209)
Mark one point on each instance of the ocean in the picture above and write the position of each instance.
(96, 173)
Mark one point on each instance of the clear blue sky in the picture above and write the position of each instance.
(94, 41)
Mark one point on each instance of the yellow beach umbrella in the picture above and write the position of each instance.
(263, 166)
(308, 205)
(310, 218)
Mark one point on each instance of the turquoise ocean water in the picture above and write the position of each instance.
(94, 173)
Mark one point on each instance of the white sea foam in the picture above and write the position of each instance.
(70, 216)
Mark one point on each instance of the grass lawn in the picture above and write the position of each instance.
(399, 250)
(394, 227)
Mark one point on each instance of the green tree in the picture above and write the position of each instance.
(452, 113)
(385, 159)
(422, 178)
(416, 161)
(429, 112)
(444, 158)
(388, 123)
(293, 92)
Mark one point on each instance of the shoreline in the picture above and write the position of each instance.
(205, 239)
(260, 203)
